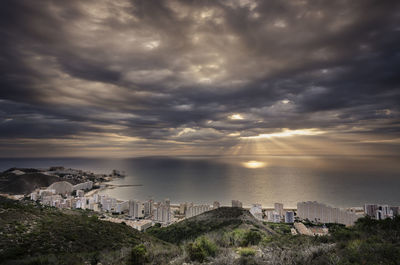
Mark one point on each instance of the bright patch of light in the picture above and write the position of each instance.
(255, 15)
(285, 101)
(285, 133)
(206, 14)
(185, 131)
(205, 80)
(236, 117)
(184, 107)
(280, 24)
(254, 164)
(234, 134)
(152, 44)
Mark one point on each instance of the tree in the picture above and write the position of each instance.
(138, 255)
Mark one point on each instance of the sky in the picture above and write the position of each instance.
(124, 78)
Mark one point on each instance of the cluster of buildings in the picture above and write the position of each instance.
(59, 194)
(142, 215)
(256, 211)
(321, 213)
(193, 210)
(188, 210)
(275, 215)
(278, 214)
(162, 212)
(380, 212)
(138, 214)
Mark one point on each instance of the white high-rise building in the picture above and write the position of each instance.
(136, 209)
(276, 217)
(148, 207)
(121, 207)
(370, 210)
(279, 208)
(272, 216)
(133, 208)
(289, 217)
(383, 212)
(321, 213)
(107, 204)
(395, 210)
(162, 212)
(268, 216)
(378, 212)
(81, 203)
(141, 210)
(51, 200)
(193, 210)
(256, 211)
(182, 208)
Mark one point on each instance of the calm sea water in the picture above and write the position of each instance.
(338, 181)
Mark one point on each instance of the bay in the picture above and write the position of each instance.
(336, 180)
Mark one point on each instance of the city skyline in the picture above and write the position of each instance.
(130, 78)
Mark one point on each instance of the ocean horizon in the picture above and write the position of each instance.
(340, 181)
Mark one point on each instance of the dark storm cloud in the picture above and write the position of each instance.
(178, 70)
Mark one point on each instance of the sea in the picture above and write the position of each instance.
(340, 181)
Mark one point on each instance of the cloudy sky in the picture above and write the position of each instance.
(130, 78)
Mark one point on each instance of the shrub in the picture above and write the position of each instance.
(280, 228)
(138, 255)
(244, 238)
(247, 252)
(236, 237)
(251, 238)
(195, 252)
(266, 239)
(201, 249)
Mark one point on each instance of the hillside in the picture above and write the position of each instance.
(233, 236)
(33, 234)
(224, 218)
(25, 183)
(24, 180)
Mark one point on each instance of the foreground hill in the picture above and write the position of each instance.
(234, 236)
(224, 218)
(33, 234)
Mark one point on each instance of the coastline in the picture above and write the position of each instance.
(107, 186)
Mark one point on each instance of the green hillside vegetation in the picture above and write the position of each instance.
(221, 219)
(33, 234)
(233, 236)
